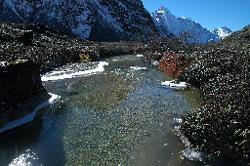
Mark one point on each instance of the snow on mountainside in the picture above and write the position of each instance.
(222, 32)
(183, 27)
(92, 19)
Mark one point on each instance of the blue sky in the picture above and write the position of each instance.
(211, 14)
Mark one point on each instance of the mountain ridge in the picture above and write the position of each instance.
(186, 28)
(94, 20)
(222, 32)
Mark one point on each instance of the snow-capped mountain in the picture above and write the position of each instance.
(183, 27)
(91, 19)
(222, 32)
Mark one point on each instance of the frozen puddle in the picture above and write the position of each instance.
(64, 74)
(140, 55)
(31, 116)
(174, 84)
(138, 68)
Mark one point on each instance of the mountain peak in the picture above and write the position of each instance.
(163, 10)
(222, 32)
(183, 27)
(226, 28)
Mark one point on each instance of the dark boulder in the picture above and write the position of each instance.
(20, 82)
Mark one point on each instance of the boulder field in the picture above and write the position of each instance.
(221, 125)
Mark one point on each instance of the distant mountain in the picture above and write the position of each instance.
(222, 32)
(103, 20)
(183, 27)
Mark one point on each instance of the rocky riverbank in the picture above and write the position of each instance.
(49, 49)
(221, 125)
(26, 51)
(20, 84)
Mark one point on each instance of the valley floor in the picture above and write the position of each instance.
(220, 126)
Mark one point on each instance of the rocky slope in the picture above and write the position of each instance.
(221, 125)
(103, 20)
(49, 49)
(37, 43)
(183, 27)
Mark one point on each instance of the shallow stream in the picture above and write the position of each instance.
(119, 115)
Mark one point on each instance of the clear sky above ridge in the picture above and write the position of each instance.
(211, 14)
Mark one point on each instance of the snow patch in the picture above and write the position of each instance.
(3, 63)
(139, 55)
(192, 154)
(178, 120)
(186, 18)
(60, 75)
(138, 68)
(31, 116)
(25, 159)
(104, 12)
(13, 8)
(189, 152)
(175, 85)
(183, 17)
(115, 60)
(223, 32)
(155, 62)
(161, 12)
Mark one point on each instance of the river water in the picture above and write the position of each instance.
(114, 113)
